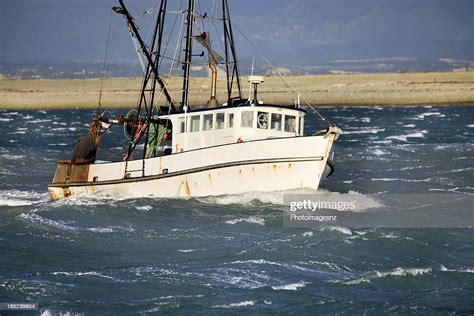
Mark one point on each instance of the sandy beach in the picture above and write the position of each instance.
(360, 89)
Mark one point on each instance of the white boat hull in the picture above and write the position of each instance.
(264, 165)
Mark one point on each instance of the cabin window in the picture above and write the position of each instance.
(262, 120)
(207, 122)
(230, 120)
(276, 122)
(220, 120)
(181, 125)
(290, 123)
(247, 119)
(195, 123)
(301, 126)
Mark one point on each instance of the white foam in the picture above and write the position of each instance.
(290, 287)
(403, 180)
(246, 198)
(257, 261)
(37, 120)
(467, 270)
(470, 125)
(38, 220)
(13, 157)
(423, 115)
(404, 138)
(389, 236)
(187, 250)
(385, 141)
(89, 273)
(362, 202)
(397, 272)
(307, 234)
(101, 229)
(379, 152)
(5, 119)
(233, 305)
(251, 219)
(366, 131)
(22, 198)
(110, 229)
(340, 229)
(330, 265)
(144, 208)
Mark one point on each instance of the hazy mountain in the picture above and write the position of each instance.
(296, 33)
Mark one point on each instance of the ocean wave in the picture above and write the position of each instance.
(290, 287)
(366, 131)
(90, 200)
(110, 229)
(404, 138)
(331, 266)
(250, 198)
(251, 220)
(379, 152)
(435, 113)
(13, 157)
(399, 179)
(233, 305)
(256, 261)
(340, 229)
(467, 270)
(397, 272)
(187, 250)
(144, 208)
(38, 220)
(89, 273)
(389, 236)
(22, 198)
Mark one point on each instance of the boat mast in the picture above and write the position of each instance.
(151, 63)
(231, 65)
(188, 53)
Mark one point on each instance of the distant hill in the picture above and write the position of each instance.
(305, 36)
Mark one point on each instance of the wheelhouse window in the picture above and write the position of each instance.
(247, 119)
(230, 120)
(290, 123)
(301, 126)
(195, 123)
(262, 120)
(220, 120)
(181, 125)
(207, 122)
(276, 122)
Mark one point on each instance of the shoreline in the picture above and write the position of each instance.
(385, 89)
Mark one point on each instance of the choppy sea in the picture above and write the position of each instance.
(232, 254)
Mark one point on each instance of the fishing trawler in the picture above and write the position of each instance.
(175, 150)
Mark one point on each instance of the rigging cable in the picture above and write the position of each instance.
(105, 64)
(293, 89)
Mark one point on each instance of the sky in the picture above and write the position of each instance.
(293, 32)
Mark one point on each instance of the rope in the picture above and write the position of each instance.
(105, 64)
(293, 89)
